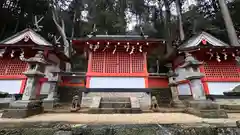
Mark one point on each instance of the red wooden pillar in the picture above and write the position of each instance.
(205, 85)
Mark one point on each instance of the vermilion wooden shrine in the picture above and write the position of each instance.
(25, 43)
(117, 63)
(220, 69)
(116, 56)
(117, 66)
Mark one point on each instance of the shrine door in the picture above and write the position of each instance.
(119, 70)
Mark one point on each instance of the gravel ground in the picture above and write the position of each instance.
(145, 118)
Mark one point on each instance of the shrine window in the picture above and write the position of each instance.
(120, 62)
(225, 69)
(12, 67)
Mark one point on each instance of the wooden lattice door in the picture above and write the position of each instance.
(13, 67)
(120, 62)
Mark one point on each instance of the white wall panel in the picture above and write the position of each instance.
(117, 82)
(184, 89)
(10, 86)
(217, 88)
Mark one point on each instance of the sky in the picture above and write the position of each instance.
(133, 21)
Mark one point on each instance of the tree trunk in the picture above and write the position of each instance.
(66, 44)
(168, 35)
(228, 23)
(3, 31)
(74, 20)
(181, 30)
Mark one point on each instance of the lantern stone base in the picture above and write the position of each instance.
(49, 104)
(23, 109)
(178, 104)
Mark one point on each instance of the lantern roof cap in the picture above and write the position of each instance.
(190, 61)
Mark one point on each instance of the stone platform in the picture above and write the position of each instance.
(143, 98)
(21, 113)
(23, 109)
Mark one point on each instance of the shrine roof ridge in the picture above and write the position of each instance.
(118, 38)
(34, 36)
(194, 41)
(130, 36)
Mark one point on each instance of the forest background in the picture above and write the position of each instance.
(172, 20)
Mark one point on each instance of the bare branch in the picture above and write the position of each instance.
(36, 23)
(56, 40)
(59, 38)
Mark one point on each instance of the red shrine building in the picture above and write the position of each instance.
(26, 44)
(117, 66)
(219, 68)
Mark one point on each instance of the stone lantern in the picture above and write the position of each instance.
(194, 75)
(30, 104)
(173, 86)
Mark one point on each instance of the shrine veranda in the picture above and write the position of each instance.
(117, 67)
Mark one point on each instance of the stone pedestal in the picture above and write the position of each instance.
(23, 109)
(196, 86)
(30, 104)
(50, 104)
(51, 101)
(176, 102)
(173, 86)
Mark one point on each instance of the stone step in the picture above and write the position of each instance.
(115, 102)
(115, 99)
(211, 113)
(114, 110)
(203, 104)
(231, 106)
(115, 105)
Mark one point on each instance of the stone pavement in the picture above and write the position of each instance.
(144, 118)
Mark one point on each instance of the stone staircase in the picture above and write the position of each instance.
(206, 109)
(110, 105)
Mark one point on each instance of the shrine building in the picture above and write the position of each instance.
(213, 60)
(117, 67)
(25, 44)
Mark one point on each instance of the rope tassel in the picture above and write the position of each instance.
(218, 57)
(132, 50)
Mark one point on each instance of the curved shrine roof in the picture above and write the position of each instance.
(116, 40)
